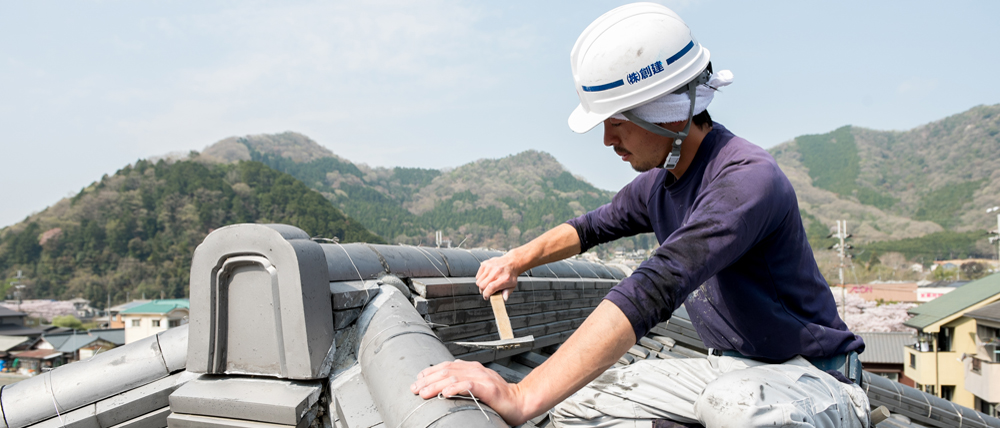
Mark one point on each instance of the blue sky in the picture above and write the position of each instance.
(87, 87)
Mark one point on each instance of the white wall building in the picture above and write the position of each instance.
(158, 315)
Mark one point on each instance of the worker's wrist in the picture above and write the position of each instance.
(516, 260)
(528, 404)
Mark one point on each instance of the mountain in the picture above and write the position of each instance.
(922, 192)
(134, 232)
(498, 203)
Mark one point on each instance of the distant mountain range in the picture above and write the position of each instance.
(920, 193)
(498, 203)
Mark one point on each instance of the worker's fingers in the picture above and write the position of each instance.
(438, 379)
(495, 275)
(471, 378)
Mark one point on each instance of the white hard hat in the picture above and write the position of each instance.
(630, 56)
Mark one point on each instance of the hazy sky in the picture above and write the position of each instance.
(87, 87)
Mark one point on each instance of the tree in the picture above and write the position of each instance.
(67, 321)
(973, 270)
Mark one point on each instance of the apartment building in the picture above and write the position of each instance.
(945, 334)
(982, 369)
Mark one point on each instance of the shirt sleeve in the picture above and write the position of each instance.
(733, 212)
(625, 215)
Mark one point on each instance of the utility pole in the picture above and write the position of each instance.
(842, 248)
(995, 233)
(18, 286)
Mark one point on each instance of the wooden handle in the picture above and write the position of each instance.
(500, 313)
(879, 414)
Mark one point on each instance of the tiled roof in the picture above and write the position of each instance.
(41, 354)
(73, 341)
(18, 330)
(161, 306)
(989, 312)
(7, 342)
(7, 312)
(187, 375)
(954, 302)
(885, 348)
(129, 305)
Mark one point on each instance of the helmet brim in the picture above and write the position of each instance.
(580, 121)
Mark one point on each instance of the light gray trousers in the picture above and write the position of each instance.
(717, 392)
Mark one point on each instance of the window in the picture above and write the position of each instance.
(947, 392)
(989, 336)
(944, 339)
(930, 389)
(925, 341)
(977, 365)
(986, 407)
(174, 323)
(913, 361)
(893, 376)
(135, 323)
(156, 323)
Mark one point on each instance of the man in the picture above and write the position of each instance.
(733, 247)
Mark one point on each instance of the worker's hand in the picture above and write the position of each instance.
(462, 377)
(497, 275)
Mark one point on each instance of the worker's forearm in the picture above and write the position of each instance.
(558, 243)
(603, 338)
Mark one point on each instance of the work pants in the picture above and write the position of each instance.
(718, 391)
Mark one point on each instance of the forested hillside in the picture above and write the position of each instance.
(498, 203)
(135, 231)
(921, 193)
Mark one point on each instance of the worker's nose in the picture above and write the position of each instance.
(610, 138)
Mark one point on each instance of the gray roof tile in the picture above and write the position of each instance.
(886, 347)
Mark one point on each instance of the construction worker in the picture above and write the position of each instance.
(733, 249)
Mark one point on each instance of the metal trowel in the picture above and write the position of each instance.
(507, 340)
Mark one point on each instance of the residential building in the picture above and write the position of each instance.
(115, 313)
(982, 369)
(158, 315)
(12, 324)
(11, 317)
(80, 345)
(944, 334)
(884, 354)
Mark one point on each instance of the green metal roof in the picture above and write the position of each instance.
(954, 302)
(161, 306)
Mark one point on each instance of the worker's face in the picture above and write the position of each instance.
(642, 149)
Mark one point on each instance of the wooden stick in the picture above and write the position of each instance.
(500, 312)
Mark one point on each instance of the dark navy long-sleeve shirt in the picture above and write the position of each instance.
(732, 245)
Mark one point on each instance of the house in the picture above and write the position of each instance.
(11, 317)
(35, 361)
(982, 369)
(884, 354)
(9, 345)
(944, 334)
(80, 345)
(12, 324)
(115, 312)
(153, 317)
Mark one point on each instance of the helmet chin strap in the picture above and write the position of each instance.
(675, 151)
